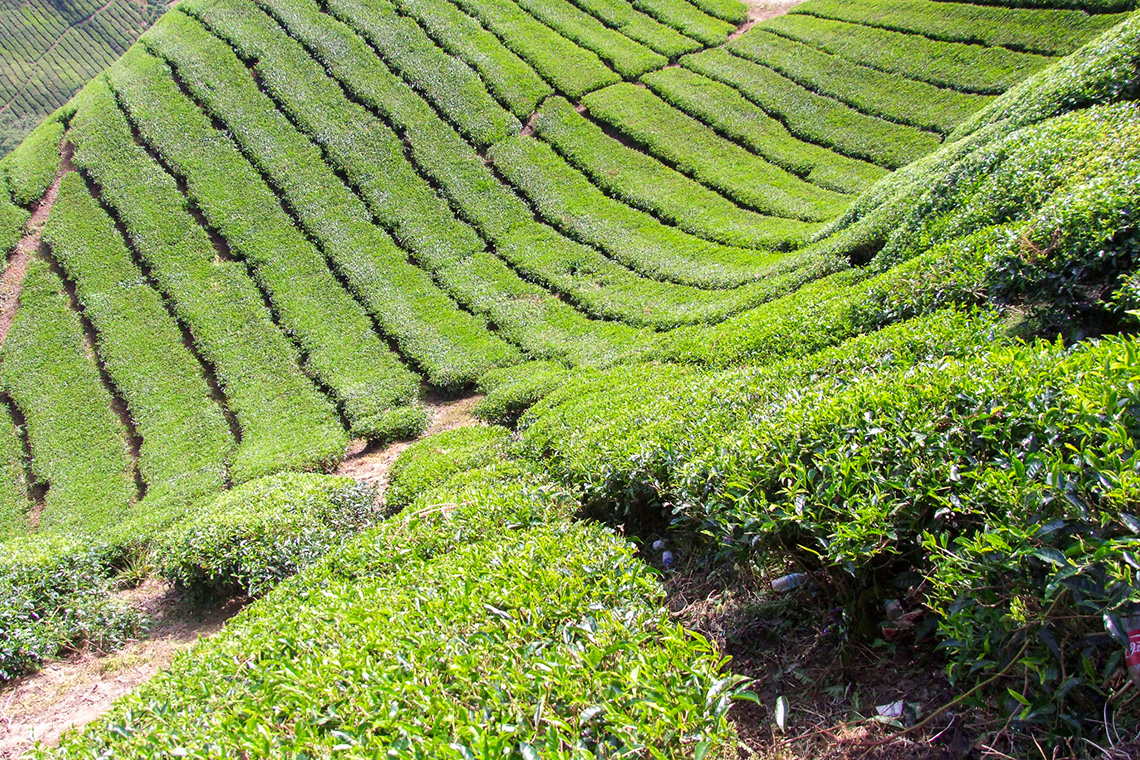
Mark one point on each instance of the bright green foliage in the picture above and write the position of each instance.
(643, 182)
(12, 219)
(815, 118)
(55, 598)
(869, 90)
(78, 445)
(447, 82)
(185, 439)
(51, 48)
(1048, 31)
(623, 54)
(732, 11)
(284, 420)
(452, 346)
(621, 16)
(730, 114)
(32, 166)
(510, 391)
(251, 538)
(686, 19)
(970, 68)
(506, 75)
(572, 70)
(688, 145)
(567, 199)
(14, 501)
(420, 613)
(1090, 6)
(429, 463)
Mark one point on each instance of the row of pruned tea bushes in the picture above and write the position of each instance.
(31, 167)
(596, 284)
(637, 26)
(12, 219)
(572, 70)
(729, 113)
(354, 141)
(1045, 31)
(507, 76)
(567, 200)
(970, 68)
(55, 597)
(687, 19)
(622, 54)
(1088, 6)
(451, 345)
(732, 11)
(432, 461)
(643, 182)
(1102, 71)
(15, 500)
(1003, 480)
(486, 566)
(285, 421)
(447, 82)
(815, 118)
(335, 336)
(869, 90)
(251, 538)
(510, 391)
(78, 445)
(185, 438)
(523, 312)
(695, 150)
(622, 436)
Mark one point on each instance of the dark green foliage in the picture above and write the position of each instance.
(185, 440)
(55, 597)
(78, 445)
(512, 390)
(969, 68)
(1047, 31)
(430, 462)
(32, 166)
(251, 538)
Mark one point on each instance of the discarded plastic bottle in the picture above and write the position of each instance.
(1132, 653)
(786, 583)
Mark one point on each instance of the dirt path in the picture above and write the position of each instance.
(371, 465)
(73, 692)
(12, 280)
(762, 10)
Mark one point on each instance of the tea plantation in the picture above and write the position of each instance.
(851, 292)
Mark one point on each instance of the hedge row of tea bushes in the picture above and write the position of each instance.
(284, 420)
(638, 26)
(815, 118)
(687, 19)
(638, 180)
(570, 202)
(730, 114)
(1046, 31)
(968, 68)
(446, 82)
(627, 57)
(452, 346)
(684, 143)
(185, 438)
(504, 74)
(78, 445)
(383, 646)
(30, 168)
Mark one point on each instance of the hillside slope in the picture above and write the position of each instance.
(772, 297)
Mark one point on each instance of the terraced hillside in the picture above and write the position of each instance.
(48, 50)
(761, 287)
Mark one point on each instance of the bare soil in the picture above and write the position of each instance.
(370, 465)
(75, 691)
(762, 10)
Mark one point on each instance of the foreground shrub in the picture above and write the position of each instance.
(55, 597)
(252, 537)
